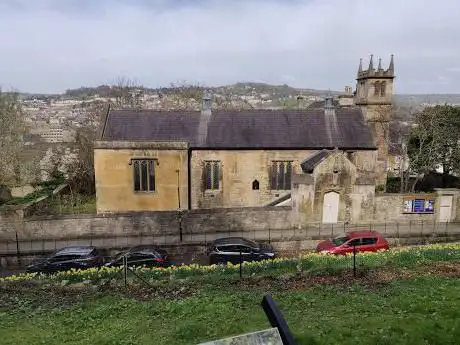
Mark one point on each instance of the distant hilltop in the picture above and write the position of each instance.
(272, 95)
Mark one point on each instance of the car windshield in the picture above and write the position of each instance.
(80, 251)
(338, 241)
(236, 241)
(60, 258)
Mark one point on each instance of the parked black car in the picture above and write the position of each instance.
(228, 249)
(78, 257)
(145, 255)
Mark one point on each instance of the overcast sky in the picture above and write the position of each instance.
(53, 45)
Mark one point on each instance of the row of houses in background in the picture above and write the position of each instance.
(49, 133)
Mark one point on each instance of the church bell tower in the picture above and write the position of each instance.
(374, 94)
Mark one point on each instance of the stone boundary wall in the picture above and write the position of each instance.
(31, 237)
(197, 225)
(187, 252)
(288, 240)
(148, 223)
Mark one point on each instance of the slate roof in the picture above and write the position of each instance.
(320, 104)
(309, 164)
(286, 128)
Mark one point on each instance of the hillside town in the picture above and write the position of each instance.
(53, 120)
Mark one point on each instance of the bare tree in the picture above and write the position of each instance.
(82, 169)
(435, 141)
(187, 90)
(396, 134)
(11, 136)
(128, 93)
(184, 95)
(398, 142)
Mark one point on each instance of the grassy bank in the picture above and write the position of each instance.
(407, 296)
(424, 310)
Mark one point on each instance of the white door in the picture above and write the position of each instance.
(331, 207)
(445, 208)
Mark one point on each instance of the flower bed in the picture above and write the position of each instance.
(317, 264)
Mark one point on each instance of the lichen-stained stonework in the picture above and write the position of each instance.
(336, 173)
(115, 178)
(239, 170)
(374, 94)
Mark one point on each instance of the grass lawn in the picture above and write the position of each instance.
(80, 204)
(421, 310)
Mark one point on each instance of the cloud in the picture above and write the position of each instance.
(443, 80)
(52, 45)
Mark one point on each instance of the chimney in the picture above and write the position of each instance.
(207, 103)
(330, 119)
(204, 119)
(329, 108)
(300, 102)
(329, 102)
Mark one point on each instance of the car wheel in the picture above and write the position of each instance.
(212, 260)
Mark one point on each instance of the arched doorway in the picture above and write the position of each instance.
(331, 207)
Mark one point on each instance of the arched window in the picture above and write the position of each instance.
(255, 185)
(382, 88)
(376, 88)
(212, 171)
(144, 175)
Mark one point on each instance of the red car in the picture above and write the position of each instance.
(363, 240)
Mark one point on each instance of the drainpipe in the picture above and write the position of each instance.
(189, 179)
(178, 188)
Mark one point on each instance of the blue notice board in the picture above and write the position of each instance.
(429, 206)
(419, 206)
